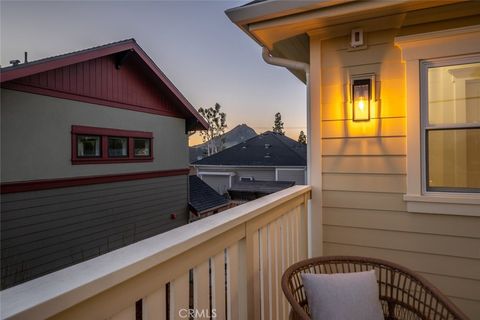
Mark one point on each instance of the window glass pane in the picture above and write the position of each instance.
(117, 147)
(142, 147)
(454, 160)
(454, 94)
(88, 146)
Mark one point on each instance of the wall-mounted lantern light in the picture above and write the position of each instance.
(361, 96)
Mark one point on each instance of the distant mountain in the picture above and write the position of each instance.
(238, 134)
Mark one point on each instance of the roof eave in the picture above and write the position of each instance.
(289, 18)
(272, 9)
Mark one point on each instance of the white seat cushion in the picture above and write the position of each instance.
(343, 296)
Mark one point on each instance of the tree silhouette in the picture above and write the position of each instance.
(217, 125)
(302, 138)
(278, 124)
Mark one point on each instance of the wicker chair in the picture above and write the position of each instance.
(404, 295)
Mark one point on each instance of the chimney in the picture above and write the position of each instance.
(26, 57)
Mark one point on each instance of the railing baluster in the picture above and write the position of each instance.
(292, 242)
(218, 285)
(237, 282)
(264, 275)
(253, 272)
(303, 229)
(273, 269)
(279, 269)
(295, 234)
(201, 287)
(232, 282)
(126, 314)
(154, 305)
(179, 295)
(285, 262)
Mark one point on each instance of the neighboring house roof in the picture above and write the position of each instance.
(128, 46)
(203, 197)
(267, 149)
(262, 187)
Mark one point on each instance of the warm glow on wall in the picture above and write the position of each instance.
(361, 96)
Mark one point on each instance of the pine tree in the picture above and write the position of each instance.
(217, 125)
(302, 138)
(278, 124)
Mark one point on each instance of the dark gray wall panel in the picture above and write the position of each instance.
(44, 231)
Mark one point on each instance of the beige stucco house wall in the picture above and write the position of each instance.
(368, 194)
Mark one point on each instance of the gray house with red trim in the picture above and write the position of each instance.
(94, 156)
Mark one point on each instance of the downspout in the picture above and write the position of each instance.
(298, 65)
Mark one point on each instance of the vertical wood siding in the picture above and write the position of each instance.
(364, 179)
(44, 231)
(130, 85)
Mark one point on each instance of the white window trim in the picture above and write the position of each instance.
(430, 46)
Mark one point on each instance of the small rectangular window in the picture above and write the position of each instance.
(117, 147)
(141, 147)
(88, 146)
(104, 145)
(452, 126)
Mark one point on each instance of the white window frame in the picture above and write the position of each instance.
(425, 126)
(459, 42)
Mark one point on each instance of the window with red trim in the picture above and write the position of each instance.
(104, 145)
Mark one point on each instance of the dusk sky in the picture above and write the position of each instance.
(205, 55)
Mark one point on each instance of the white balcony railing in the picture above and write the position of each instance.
(237, 257)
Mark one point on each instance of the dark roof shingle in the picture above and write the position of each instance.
(266, 149)
(202, 196)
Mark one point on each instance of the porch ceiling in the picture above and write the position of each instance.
(270, 22)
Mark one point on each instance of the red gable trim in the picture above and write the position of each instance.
(63, 60)
(110, 132)
(12, 73)
(12, 187)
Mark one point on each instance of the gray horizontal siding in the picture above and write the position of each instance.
(267, 174)
(44, 231)
(292, 175)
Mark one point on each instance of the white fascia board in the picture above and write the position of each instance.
(272, 9)
(211, 166)
(216, 173)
